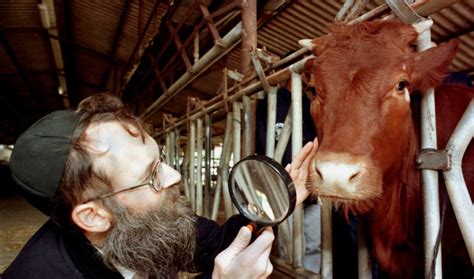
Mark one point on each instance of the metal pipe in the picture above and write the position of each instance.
(249, 34)
(229, 207)
(167, 148)
(455, 184)
(326, 239)
(247, 130)
(196, 47)
(207, 188)
(271, 121)
(364, 267)
(211, 57)
(248, 46)
(192, 169)
(177, 153)
(284, 137)
(185, 169)
(199, 192)
(430, 188)
(296, 146)
(236, 130)
(172, 157)
(224, 164)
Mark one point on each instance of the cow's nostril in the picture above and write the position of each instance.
(318, 172)
(354, 176)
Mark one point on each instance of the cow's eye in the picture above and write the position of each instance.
(402, 85)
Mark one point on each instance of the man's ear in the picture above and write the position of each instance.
(91, 217)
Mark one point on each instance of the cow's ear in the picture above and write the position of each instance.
(430, 66)
(316, 46)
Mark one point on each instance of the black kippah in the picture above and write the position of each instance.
(38, 158)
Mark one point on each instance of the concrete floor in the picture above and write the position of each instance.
(18, 222)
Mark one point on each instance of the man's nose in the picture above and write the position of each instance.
(169, 176)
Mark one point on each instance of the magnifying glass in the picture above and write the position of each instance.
(262, 190)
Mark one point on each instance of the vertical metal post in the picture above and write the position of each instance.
(271, 120)
(192, 162)
(364, 266)
(177, 153)
(247, 130)
(199, 192)
(185, 169)
(455, 184)
(249, 33)
(326, 240)
(207, 188)
(296, 145)
(429, 177)
(236, 130)
(284, 137)
(172, 149)
(167, 147)
(224, 164)
(229, 207)
(249, 44)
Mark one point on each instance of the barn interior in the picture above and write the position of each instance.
(171, 63)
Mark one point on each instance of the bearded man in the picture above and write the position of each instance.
(115, 206)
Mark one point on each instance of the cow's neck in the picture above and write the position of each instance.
(393, 220)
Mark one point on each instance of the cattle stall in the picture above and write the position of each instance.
(236, 102)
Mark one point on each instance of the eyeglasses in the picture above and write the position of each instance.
(153, 180)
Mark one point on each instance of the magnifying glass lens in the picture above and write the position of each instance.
(260, 191)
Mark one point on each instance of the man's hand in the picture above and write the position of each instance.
(302, 170)
(241, 260)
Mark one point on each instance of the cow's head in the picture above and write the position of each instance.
(364, 75)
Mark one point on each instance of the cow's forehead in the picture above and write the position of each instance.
(370, 64)
(361, 55)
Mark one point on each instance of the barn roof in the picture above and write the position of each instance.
(54, 54)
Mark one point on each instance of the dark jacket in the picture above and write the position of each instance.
(50, 253)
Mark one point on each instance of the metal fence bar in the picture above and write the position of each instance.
(296, 145)
(430, 187)
(185, 170)
(364, 267)
(284, 137)
(207, 187)
(455, 184)
(247, 130)
(199, 184)
(326, 240)
(271, 121)
(222, 177)
(192, 163)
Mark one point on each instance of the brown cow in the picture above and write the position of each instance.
(365, 77)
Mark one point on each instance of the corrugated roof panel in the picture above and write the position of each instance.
(233, 60)
(94, 23)
(23, 14)
(305, 17)
(271, 44)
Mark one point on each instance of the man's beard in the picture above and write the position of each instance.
(158, 243)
